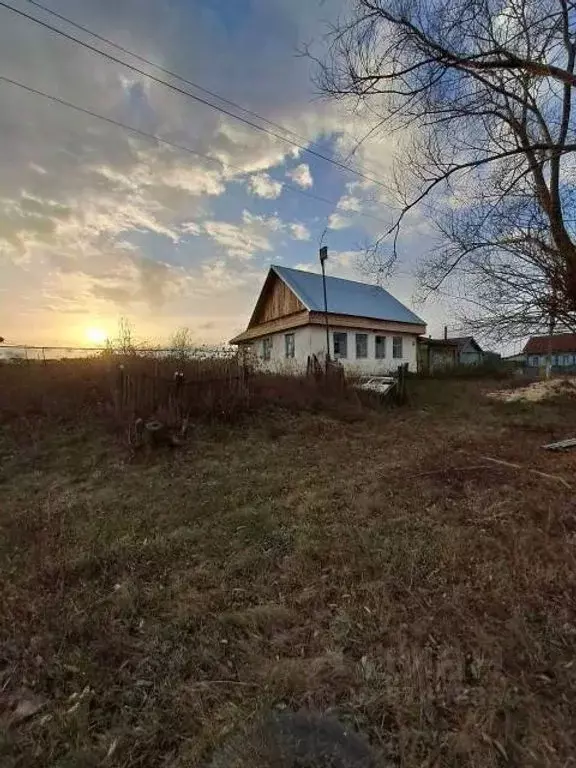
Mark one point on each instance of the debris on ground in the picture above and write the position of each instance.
(379, 384)
(522, 467)
(537, 391)
(19, 706)
(561, 445)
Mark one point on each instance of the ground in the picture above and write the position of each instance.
(371, 564)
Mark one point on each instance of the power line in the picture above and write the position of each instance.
(189, 82)
(169, 143)
(198, 99)
(169, 72)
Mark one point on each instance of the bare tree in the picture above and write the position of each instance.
(182, 344)
(484, 89)
(124, 342)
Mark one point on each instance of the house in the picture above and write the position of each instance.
(561, 346)
(436, 354)
(369, 330)
(519, 358)
(469, 351)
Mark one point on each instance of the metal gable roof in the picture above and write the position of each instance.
(345, 297)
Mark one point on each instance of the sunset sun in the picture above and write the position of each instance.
(95, 335)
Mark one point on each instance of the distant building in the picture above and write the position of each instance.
(518, 358)
(561, 346)
(469, 351)
(436, 354)
(369, 330)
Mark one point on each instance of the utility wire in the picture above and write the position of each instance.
(172, 144)
(198, 99)
(175, 75)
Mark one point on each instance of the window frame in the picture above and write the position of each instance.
(376, 346)
(341, 335)
(267, 345)
(289, 346)
(395, 340)
(364, 337)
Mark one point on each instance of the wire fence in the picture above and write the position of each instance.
(44, 353)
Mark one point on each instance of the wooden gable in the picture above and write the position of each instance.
(275, 300)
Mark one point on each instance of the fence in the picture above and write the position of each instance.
(21, 353)
(211, 388)
(124, 386)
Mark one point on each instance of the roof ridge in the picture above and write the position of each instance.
(332, 277)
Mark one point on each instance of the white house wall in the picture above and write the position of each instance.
(278, 361)
(311, 339)
(370, 364)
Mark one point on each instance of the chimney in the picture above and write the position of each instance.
(445, 333)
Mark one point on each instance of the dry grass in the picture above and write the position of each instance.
(117, 389)
(374, 567)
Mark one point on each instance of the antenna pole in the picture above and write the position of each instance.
(323, 257)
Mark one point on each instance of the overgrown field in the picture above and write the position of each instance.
(374, 564)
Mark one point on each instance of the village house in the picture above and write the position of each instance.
(439, 354)
(469, 352)
(561, 346)
(369, 330)
(436, 354)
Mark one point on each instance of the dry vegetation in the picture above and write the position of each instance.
(367, 563)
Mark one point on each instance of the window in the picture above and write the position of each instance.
(534, 361)
(555, 361)
(397, 351)
(380, 347)
(289, 345)
(340, 345)
(267, 348)
(361, 345)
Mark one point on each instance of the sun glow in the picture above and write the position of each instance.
(95, 335)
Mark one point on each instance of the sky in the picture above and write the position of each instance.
(98, 223)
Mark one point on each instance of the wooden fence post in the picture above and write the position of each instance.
(401, 385)
(120, 386)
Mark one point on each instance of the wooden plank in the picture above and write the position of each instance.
(367, 323)
(276, 300)
(295, 320)
(562, 445)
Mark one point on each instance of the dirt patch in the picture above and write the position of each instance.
(536, 392)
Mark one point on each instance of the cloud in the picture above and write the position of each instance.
(301, 176)
(349, 203)
(244, 240)
(262, 185)
(254, 234)
(94, 218)
(190, 228)
(339, 264)
(235, 240)
(299, 231)
(336, 221)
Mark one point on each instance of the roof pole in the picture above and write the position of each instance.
(323, 257)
